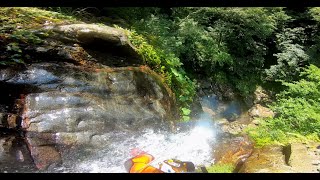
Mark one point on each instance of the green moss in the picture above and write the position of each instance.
(19, 23)
(220, 168)
(17, 31)
(27, 17)
(169, 67)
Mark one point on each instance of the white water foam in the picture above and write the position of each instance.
(194, 144)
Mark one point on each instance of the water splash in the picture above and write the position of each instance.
(193, 142)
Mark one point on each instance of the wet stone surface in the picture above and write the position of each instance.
(15, 156)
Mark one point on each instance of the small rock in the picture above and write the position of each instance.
(256, 122)
(222, 121)
(260, 111)
(209, 111)
(41, 49)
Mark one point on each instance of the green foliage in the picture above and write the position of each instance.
(17, 31)
(314, 49)
(242, 30)
(297, 111)
(292, 58)
(246, 85)
(25, 36)
(315, 13)
(131, 14)
(85, 14)
(266, 135)
(220, 168)
(27, 17)
(169, 67)
(226, 45)
(211, 40)
(15, 56)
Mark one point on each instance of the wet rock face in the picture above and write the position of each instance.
(80, 85)
(75, 107)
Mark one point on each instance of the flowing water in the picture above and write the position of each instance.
(191, 141)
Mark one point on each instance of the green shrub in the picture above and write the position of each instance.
(297, 112)
(169, 66)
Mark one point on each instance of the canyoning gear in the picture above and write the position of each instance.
(177, 166)
(142, 164)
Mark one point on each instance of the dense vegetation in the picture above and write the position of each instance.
(15, 33)
(298, 112)
(276, 48)
(243, 47)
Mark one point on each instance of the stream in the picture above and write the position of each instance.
(191, 141)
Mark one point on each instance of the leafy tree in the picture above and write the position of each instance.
(291, 58)
(314, 49)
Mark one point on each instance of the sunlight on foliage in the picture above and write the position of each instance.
(17, 30)
(169, 67)
(297, 112)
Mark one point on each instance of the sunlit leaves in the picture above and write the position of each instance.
(291, 58)
(297, 111)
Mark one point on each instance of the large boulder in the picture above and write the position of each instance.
(260, 112)
(108, 45)
(75, 106)
(83, 84)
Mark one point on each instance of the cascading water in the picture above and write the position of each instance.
(192, 141)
